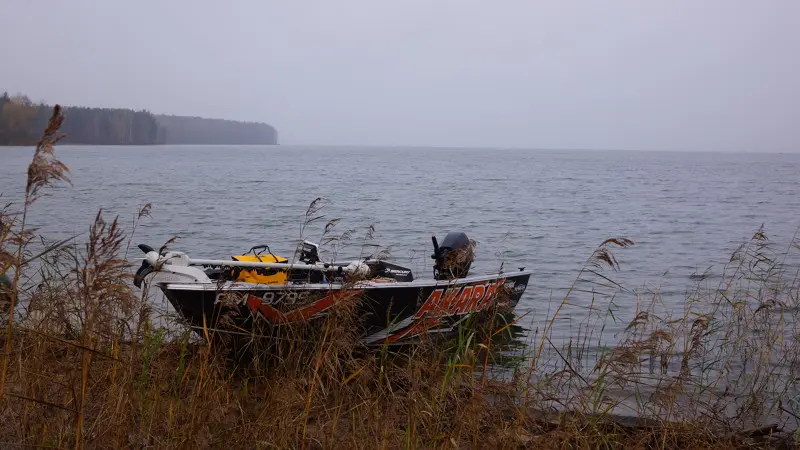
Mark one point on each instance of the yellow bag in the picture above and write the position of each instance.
(261, 275)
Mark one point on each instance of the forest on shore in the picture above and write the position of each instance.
(22, 120)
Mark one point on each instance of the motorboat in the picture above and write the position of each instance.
(391, 305)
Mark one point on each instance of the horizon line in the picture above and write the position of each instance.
(441, 147)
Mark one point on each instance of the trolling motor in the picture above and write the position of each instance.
(454, 257)
(145, 269)
(178, 263)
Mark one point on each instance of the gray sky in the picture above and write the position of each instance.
(686, 75)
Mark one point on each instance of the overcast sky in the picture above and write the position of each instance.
(685, 75)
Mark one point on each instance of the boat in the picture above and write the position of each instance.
(392, 306)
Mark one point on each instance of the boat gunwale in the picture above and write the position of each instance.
(242, 286)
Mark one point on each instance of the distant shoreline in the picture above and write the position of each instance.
(21, 122)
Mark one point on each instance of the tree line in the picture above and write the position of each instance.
(22, 121)
(199, 130)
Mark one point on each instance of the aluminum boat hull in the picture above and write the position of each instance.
(386, 312)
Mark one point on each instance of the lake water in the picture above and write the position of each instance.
(544, 210)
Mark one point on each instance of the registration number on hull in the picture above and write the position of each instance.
(288, 298)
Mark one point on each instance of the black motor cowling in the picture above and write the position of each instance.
(453, 258)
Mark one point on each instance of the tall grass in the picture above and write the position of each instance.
(86, 364)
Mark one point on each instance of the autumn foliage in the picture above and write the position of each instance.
(21, 121)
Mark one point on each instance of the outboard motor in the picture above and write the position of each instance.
(453, 257)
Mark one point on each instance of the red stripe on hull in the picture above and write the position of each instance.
(304, 312)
